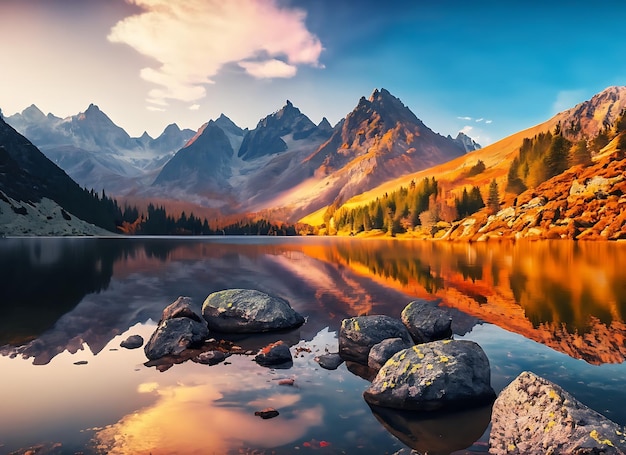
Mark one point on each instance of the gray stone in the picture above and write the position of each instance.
(426, 322)
(329, 361)
(534, 415)
(132, 342)
(274, 354)
(445, 374)
(383, 351)
(173, 336)
(248, 311)
(357, 335)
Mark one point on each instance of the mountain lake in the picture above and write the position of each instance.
(556, 308)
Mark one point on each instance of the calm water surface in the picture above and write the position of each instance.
(555, 308)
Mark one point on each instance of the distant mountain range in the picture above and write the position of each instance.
(287, 167)
(95, 152)
(286, 163)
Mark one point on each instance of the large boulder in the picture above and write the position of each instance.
(444, 374)
(383, 351)
(180, 328)
(426, 322)
(248, 311)
(357, 335)
(534, 415)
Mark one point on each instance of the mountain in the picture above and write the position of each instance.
(96, 152)
(595, 119)
(272, 132)
(203, 165)
(290, 166)
(380, 139)
(468, 144)
(39, 198)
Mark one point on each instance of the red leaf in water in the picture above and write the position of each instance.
(324, 444)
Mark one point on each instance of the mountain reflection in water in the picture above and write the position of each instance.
(71, 301)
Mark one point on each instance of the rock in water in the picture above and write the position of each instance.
(132, 342)
(179, 328)
(267, 413)
(173, 336)
(357, 335)
(438, 375)
(533, 415)
(248, 311)
(383, 351)
(274, 354)
(330, 361)
(426, 322)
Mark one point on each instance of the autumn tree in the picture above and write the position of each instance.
(493, 201)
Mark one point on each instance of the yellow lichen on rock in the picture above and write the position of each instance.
(444, 359)
(549, 426)
(596, 436)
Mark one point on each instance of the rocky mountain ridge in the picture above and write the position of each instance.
(96, 152)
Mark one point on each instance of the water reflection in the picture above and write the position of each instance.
(567, 295)
(70, 300)
(435, 433)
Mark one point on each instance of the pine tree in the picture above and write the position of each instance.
(493, 201)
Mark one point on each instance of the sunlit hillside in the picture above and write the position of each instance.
(586, 120)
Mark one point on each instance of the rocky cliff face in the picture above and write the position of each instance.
(581, 203)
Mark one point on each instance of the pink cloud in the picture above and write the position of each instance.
(191, 41)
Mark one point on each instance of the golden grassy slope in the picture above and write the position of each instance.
(452, 176)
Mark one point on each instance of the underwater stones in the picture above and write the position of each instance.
(179, 329)
(132, 342)
(445, 374)
(274, 354)
(357, 335)
(330, 361)
(383, 351)
(248, 311)
(534, 415)
(426, 322)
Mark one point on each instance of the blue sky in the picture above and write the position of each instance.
(486, 67)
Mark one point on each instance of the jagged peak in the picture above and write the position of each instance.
(33, 111)
(324, 124)
(172, 127)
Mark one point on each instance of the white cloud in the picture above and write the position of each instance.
(478, 120)
(192, 40)
(155, 109)
(465, 118)
(194, 107)
(269, 69)
(488, 122)
(466, 129)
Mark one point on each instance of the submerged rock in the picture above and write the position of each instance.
(267, 413)
(180, 328)
(329, 361)
(210, 357)
(534, 415)
(274, 354)
(357, 335)
(383, 351)
(426, 322)
(248, 311)
(132, 342)
(438, 375)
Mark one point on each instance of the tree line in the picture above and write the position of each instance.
(420, 204)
